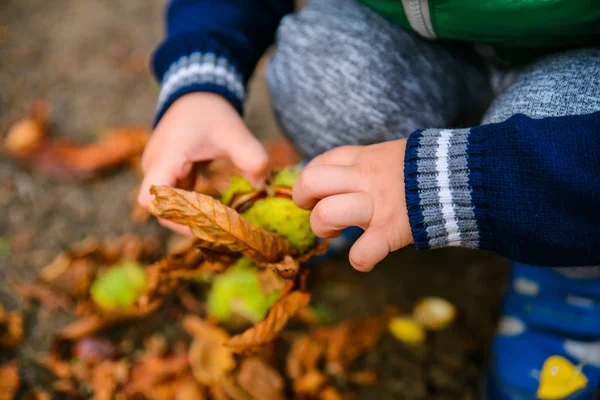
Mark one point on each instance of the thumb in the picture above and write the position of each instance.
(249, 155)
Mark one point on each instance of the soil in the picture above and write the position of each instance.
(88, 59)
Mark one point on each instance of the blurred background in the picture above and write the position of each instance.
(86, 62)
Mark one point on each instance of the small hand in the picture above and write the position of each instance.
(358, 186)
(198, 127)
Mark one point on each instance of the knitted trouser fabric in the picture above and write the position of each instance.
(341, 74)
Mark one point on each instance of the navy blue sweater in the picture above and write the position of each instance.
(526, 189)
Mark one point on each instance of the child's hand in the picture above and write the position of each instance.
(198, 127)
(358, 186)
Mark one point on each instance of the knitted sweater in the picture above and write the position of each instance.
(526, 189)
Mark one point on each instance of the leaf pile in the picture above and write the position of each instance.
(215, 364)
(28, 141)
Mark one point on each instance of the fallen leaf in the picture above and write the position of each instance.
(9, 380)
(26, 135)
(228, 389)
(260, 379)
(310, 383)
(60, 368)
(152, 371)
(407, 330)
(349, 340)
(88, 325)
(104, 381)
(75, 281)
(269, 328)
(62, 159)
(11, 328)
(304, 355)
(219, 226)
(362, 378)
(210, 360)
(188, 389)
(434, 313)
(330, 393)
(289, 267)
(42, 295)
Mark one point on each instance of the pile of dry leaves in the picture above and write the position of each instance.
(310, 361)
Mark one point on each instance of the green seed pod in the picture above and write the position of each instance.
(286, 177)
(280, 215)
(237, 185)
(120, 286)
(236, 297)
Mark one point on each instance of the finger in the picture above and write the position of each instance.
(370, 248)
(155, 176)
(248, 155)
(181, 229)
(316, 183)
(332, 214)
(344, 156)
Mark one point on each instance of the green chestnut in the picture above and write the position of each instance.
(236, 296)
(120, 286)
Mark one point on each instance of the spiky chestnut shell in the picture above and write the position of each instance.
(120, 286)
(237, 185)
(280, 215)
(236, 297)
(276, 212)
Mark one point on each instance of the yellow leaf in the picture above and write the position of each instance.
(559, 378)
(407, 330)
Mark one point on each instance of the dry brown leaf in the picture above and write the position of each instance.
(260, 379)
(362, 378)
(153, 371)
(269, 328)
(62, 159)
(330, 393)
(188, 389)
(103, 381)
(60, 368)
(91, 324)
(26, 135)
(310, 383)
(42, 295)
(289, 267)
(9, 380)
(304, 355)
(228, 389)
(76, 280)
(350, 339)
(210, 360)
(217, 225)
(11, 328)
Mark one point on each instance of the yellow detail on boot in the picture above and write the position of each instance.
(559, 378)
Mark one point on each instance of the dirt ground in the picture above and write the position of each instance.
(88, 59)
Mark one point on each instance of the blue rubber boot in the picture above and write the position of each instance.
(548, 341)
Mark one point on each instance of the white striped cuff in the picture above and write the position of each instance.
(200, 69)
(438, 191)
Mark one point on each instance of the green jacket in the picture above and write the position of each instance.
(516, 28)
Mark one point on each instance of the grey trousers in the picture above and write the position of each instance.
(341, 74)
